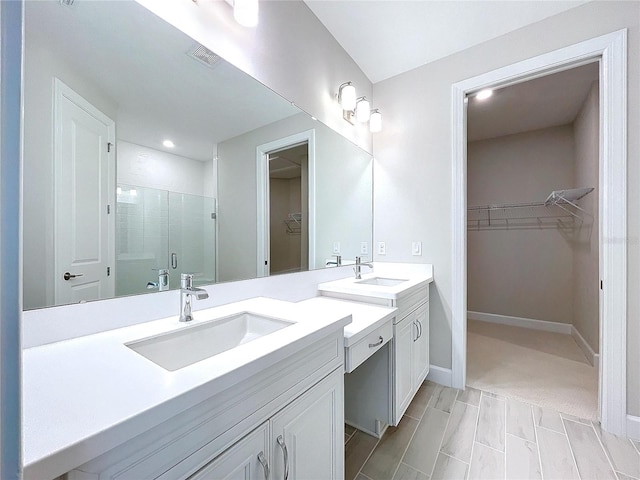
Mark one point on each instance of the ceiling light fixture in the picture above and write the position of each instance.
(484, 94)
(356, 108)
(246, 12)
(168, 144)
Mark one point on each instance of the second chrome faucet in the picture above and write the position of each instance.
(187, 290)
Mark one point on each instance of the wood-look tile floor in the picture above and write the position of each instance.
(472, 434)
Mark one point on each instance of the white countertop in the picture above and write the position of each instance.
(84, 396)
(365, 318)
(414, 276)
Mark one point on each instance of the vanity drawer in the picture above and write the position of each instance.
(360, 351)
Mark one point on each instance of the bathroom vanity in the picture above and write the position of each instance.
(388, 343)
(99, 407)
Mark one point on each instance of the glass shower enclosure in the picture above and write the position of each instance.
(158, 229)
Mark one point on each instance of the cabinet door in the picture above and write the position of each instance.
(406, 333)
(421, 347)
(307, 437)
(245, 460)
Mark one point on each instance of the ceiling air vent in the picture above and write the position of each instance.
(66, 3)
(204, 55)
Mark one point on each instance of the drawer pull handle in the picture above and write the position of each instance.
(265, 465)
(379, 342)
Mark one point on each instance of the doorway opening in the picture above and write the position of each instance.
(286, 204)
(532, 241)
(288, 209)
(610, 49)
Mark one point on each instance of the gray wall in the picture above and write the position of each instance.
(586, 290)
(343, 180)
(413, 157)
(520, 272)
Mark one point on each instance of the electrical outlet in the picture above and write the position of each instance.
(416, 248)
(382, 249)
(364, 248)
(336, 248)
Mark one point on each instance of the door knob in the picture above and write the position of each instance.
(68, 276)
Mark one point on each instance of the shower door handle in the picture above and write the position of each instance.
(174, 260)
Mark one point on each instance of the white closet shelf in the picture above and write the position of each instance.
(557, 210)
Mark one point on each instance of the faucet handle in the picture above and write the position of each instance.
(186, 280)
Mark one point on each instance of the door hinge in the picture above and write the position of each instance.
(108, 209)
(600, 284)
(108, 271)
(109, 145)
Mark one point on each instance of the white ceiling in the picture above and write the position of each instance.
(548, 101)
(141, 63)
(389, 37)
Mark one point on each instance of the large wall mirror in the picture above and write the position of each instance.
(144, 153)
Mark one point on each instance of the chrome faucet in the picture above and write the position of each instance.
(358, 267)
(187, 291)
(338, 261)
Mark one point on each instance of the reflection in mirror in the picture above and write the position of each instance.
(143, 153)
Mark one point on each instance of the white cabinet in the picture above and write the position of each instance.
(307, 436)
(303, 441)
(411, 358)
(234, 433)
(246, 460)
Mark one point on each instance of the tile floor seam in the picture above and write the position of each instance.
(442, 441)
(605, 450)
(368, 457)
(535, 435)
(409, 443)
(473, 441)
(573, 455)
(505, 439)
(633, 444)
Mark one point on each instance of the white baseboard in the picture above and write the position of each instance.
(593, 357)
(521, 322)
(440, 375)
(564, 328)
(633, 427)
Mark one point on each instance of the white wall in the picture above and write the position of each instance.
(520, 272)
(586, 291)
(41, 66)
(290, 51)
(413, 157)
(284, 198)
(147, 167)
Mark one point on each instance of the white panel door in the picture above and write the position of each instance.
(308, 435)
(84, 147)
(245, 460)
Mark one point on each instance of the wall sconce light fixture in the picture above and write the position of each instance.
(358, 108)
(246, 12)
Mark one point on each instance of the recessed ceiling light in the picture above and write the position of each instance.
(484, 94)
(168, 144)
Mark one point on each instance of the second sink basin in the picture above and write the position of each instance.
(386, 282)
(189, 345)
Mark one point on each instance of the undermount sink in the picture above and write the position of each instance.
(192, 344)
(385, 282)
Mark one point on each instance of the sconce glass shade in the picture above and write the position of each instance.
(347, 96)
(246, 12)
(375, 122)
(363, 110)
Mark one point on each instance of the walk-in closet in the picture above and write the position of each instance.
(532, 241)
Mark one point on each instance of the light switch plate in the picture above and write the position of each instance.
(364, 248)
(416, 248)
(336, 248)
(382, 249)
